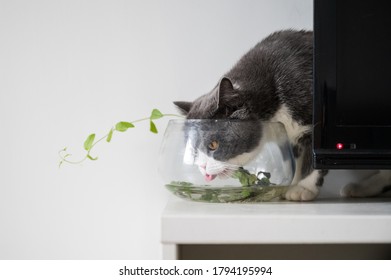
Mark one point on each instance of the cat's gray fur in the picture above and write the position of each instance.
(272, 82)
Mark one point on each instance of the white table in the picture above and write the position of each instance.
(334, 228)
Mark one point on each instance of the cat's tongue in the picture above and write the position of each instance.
(209, 177)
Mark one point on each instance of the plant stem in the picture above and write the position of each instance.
(63, 154)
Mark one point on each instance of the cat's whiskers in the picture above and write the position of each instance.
(228, 170)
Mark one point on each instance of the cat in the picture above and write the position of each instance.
(271, 82)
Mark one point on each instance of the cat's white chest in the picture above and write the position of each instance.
(293, 128)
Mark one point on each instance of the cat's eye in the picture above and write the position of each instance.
(213, 145)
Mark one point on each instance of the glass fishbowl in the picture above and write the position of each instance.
(226, 160)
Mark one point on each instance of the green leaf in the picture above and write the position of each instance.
(245, 193)
(89, 141)
(208, 196)
(91, 158)
(152, 127)
(245, 177)
(156, 114)
(108, 139)
(123, 126)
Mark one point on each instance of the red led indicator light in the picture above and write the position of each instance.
(339, 146)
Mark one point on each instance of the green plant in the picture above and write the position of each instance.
(248, 179)
(255, 188)
(122, 126)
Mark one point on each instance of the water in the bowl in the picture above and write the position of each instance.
(226, 194)
(222, 161)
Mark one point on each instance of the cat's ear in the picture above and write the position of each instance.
(231, 101)
(225, 88)
(183, 106)
(227, 95)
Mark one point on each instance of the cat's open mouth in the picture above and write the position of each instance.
(213, 169)
(226, 173)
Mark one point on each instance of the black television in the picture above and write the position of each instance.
(352, 84)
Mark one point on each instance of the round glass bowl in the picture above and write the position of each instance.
(226, 160)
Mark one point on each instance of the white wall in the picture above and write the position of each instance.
(70, 68)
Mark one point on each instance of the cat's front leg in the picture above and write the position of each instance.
(307, 181)
(371, 186)
(306, 189)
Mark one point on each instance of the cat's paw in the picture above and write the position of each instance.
(374, 185)
(300, 193)
(355, 190)
(349, 190)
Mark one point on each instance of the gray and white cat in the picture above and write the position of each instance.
(272, 82)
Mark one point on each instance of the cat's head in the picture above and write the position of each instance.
(227, 136)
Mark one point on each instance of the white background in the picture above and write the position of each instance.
(71, 68)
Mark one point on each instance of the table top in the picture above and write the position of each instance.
(320, 221)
